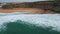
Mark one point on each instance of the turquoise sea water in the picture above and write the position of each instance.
(17, 23)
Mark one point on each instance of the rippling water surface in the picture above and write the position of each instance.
(22, 23)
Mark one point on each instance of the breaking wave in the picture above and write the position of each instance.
(22, 23)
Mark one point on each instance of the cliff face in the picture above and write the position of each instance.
(48, 5)
(39, 5)
(33, 4)
(42, 5)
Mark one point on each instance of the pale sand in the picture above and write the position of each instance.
(34, 10)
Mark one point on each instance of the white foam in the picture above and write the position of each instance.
(16, 13)
(37, 19)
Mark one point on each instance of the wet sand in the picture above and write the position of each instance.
(33, 10)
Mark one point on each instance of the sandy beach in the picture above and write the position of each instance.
(34, 10)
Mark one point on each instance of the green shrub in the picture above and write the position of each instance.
(7, 7)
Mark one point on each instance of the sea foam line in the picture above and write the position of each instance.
(37, 19)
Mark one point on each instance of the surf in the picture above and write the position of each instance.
(14, 23)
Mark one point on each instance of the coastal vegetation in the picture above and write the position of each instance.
(7, 7)
(42, 5)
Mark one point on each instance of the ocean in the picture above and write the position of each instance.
(8, 1)
(22, 23)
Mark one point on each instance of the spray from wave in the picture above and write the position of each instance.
(29, 23)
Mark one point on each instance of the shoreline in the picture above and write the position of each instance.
(32, 10)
